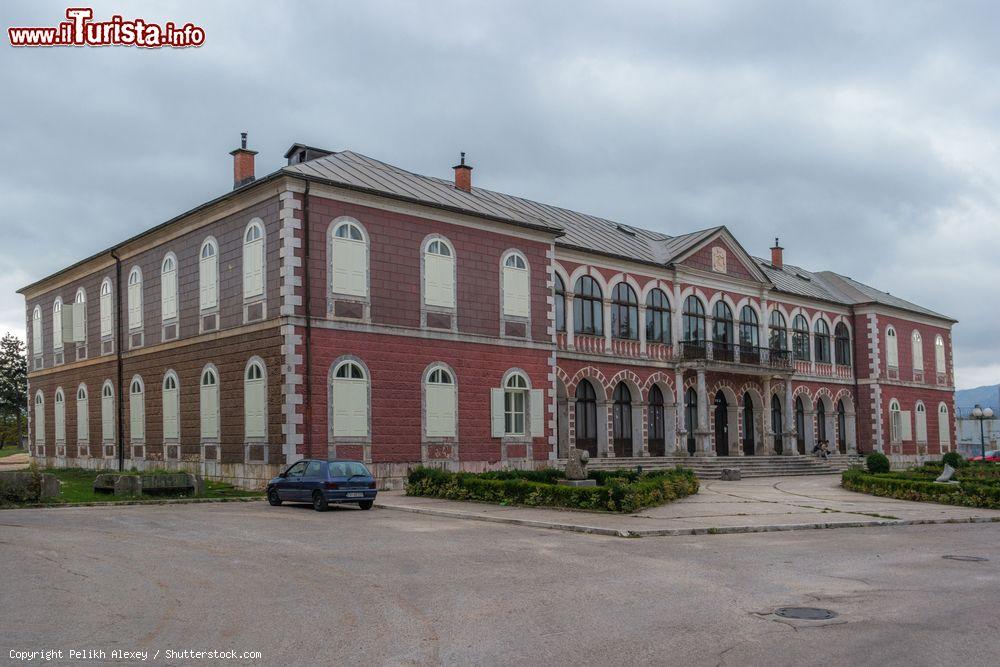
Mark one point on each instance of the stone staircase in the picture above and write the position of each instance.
(710, 467)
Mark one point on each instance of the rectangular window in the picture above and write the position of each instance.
(439, 281)
(82, 421)
(253, 269)
(108, 418)
(79, 323)
(168, 296)
(106, 325)
(350, 405)
(255, 407)
(208, 282)
(515, 292)
(440, 410)
(349, 267)
(135, 306)
(514, 413)
(170, 431)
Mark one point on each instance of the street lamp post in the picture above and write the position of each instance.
(982, 414)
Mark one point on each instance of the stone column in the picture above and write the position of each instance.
(789, 435)
(606, 303)
(702, 433)
(734, 417)
(570, 320)
(680, 415)
(641, 327)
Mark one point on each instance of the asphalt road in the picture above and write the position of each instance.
(387, 587)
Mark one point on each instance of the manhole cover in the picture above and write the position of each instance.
(805, 613)
(970, 559)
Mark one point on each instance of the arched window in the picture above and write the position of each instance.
(691, 418)
(171, 407)
(137, 410)
(588, 307)
(80, 316)
(822, 339)
(776, 423)
(779, 331)
(255, 400)
(621, 422)
(36, 331)
(108, 412)
(82, 415)
(944, 427)
(722, 332)
(348, 259)
(800, 425)
(349, 394)
(657, 317)
(939, 359)
(842, 345)
(168, 288)
(918, 351)
(560, 303)
(921, 422)
(895, 422)
(57, 328)
(624, 312)
(693, 317)
(253, 260)
(841, 427)
(439, 274)
(515, 400)
(891, 347)
(441, 404)
(657, 423)
(135, 299)
(39, 419)
(106, 306)
(800, 338)
(821, 420)
(586, 417)
(749, 329)
(208, 275)
(209, 404)
(60, 414)
(516, 286)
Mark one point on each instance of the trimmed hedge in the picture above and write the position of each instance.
(615, 493)
(913, 486)
(954, 459)
(877, 462)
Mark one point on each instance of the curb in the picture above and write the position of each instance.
(675, 532)
(113, 503)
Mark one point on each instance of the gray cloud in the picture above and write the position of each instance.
(864, 134)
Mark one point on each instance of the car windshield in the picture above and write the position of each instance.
(347, 469)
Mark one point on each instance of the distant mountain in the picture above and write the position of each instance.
(988, 396)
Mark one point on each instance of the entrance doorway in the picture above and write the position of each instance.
(657, 428)
(691, 418)
(800, 425)
(622, 422)
(841, 428)
(586, 418)
(748, 425)
(721, 425)
(776, 427)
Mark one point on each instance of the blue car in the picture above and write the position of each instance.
(324, 482)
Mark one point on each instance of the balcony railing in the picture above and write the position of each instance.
(747, 355)
(619, 347)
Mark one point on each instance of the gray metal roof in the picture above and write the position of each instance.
(856, 293)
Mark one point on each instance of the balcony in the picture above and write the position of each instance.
(743, 355)
(619, 347)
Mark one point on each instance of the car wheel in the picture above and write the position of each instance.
(366, 504)
(272, 497)
(319, 501)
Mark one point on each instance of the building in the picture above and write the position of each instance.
(342, 306)
(974, 435)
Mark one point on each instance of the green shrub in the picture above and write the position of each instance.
(908, 486)
(876, 462)
(620, 493)
(954, 459)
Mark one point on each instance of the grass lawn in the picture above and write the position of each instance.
(10, 451)
(78, 487)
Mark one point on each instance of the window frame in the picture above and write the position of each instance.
(658, 316)
(800, 338)
(694, 321)
(359, 266)
(624, 312)
(821, 341)
(514, 279)
(588, 307)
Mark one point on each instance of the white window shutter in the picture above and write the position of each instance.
(496, 412)
(208, 282)
(439, 281)
(105, 315)
(168, 295)
(57, 330)
(60, 410)
(135, 306)
(921, 426)
(39, 424)
(36, 336)
(906, 422)
(440, 410)
(79, 322)
(69, 315)
(536, 405)
(515, 292)
(137, 416)
(209, 411)
(82, 420)
(253, 268)
(892, 351)
(107, 418)
(170, 414)
(253, 406)
(350, 408)
(349, 267)
(944, 428)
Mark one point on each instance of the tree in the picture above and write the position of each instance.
(13, 385)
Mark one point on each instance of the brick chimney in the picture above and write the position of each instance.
(776, 258)
(463, 175)
(242, 163)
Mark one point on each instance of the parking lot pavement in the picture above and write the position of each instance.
(756, 504)
(388, 587)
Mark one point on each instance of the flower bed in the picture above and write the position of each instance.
(617, 491)
(972, 490)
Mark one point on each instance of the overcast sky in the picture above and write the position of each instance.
(866, 135)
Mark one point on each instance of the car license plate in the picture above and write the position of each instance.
(355, 494)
